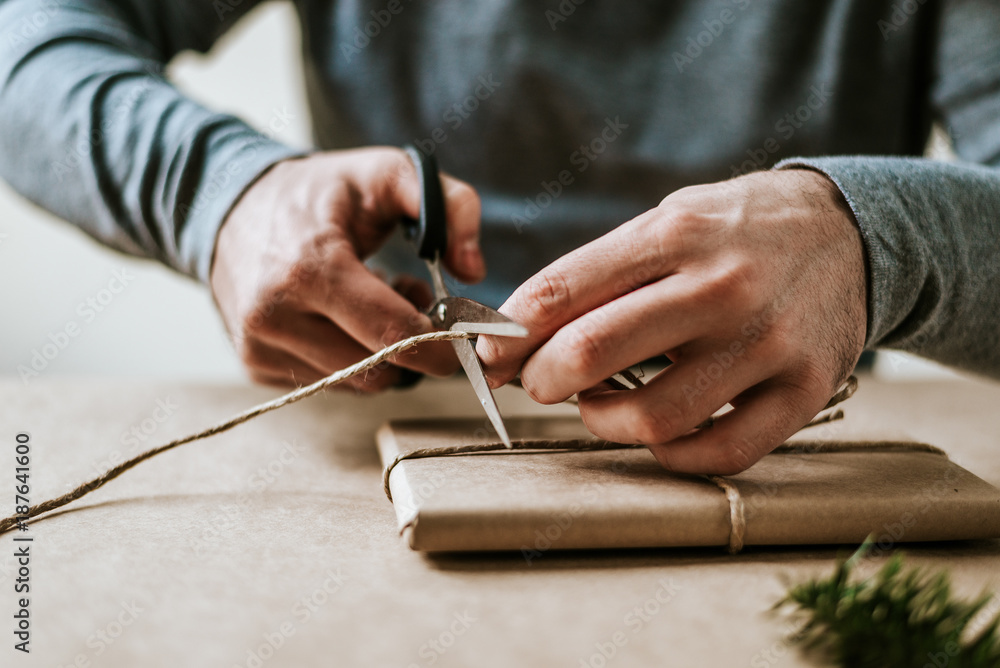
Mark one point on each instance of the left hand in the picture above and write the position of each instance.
(755, 289)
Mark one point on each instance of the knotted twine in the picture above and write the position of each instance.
(737, 519)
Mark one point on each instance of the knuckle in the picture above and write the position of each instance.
(391, 177)
(779, 339)
(679, 196)
(731, 286)
(583, 348)
(677, 219)
(662, 424)
(317, 263)
(300, 276)
(677, 233)
(649, 249)
(546, 294)
(733, 456)
(809, 384)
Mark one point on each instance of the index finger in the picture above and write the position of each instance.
(622, 260)
(394, 188)
(375, 315)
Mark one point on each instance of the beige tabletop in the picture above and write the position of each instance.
(273, 545)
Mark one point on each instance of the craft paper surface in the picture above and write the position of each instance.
(220, 542)
(624, 498)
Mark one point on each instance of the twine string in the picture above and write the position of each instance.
(297, 395)
(576, 445)
(737, 515)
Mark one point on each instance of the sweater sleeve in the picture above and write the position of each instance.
(91, 130)
(931, 230)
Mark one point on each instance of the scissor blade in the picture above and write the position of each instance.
(437, 280)
(492, 328)
(465, 315)
(470, 362)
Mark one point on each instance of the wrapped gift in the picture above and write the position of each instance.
(455, 489)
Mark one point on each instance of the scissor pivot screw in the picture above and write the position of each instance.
(442, 312)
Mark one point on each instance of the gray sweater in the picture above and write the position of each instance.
(568, 116)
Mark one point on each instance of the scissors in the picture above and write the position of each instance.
(429, 234)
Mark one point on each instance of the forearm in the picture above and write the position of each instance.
(932, 242)
(91, 130)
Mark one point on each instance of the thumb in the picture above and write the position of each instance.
(400, 190)
(464, 257)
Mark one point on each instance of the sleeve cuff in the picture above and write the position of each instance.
(234, 165)
(929, 230)
(875, 259)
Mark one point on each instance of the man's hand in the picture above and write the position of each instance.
(288, 274)
(755, 288)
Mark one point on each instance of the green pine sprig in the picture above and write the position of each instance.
(898, 618)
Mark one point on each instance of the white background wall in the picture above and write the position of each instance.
(164, 325)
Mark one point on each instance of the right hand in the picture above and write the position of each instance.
(288, 273)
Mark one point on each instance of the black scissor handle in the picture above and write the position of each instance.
(429, 233)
